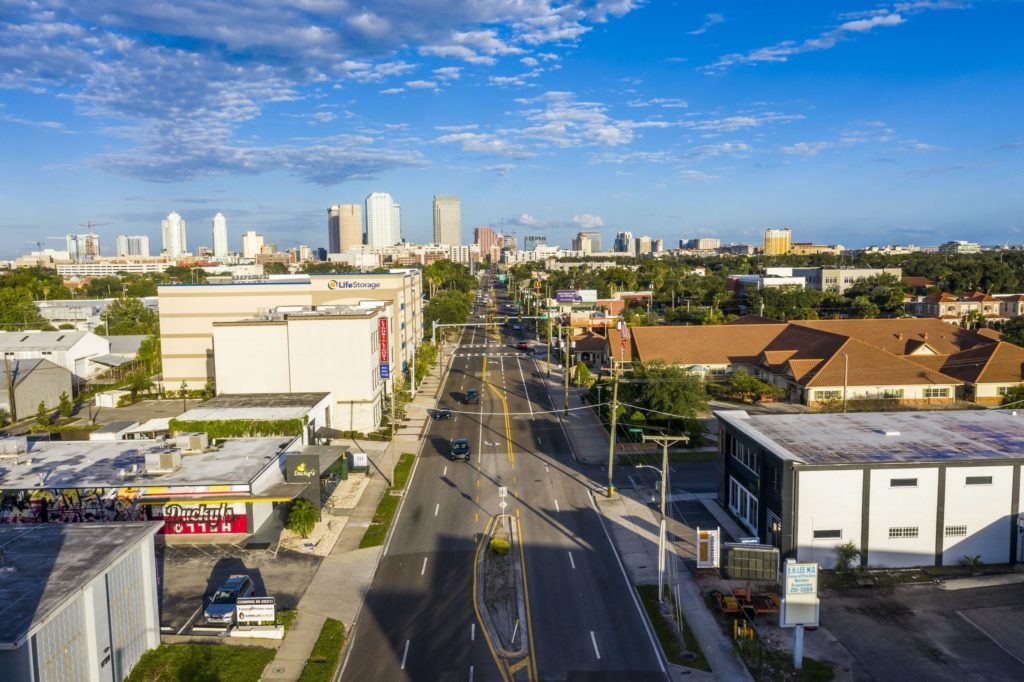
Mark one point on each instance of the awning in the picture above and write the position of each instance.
(110, 360)
(279, 492)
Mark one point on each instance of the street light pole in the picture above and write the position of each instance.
(568, 359)
(846, 377)
(665, 442)
(611, 432)
(184, 392)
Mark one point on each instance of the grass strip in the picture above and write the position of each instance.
(666, 632)
(174, 662)
(692, 645)
(323, 661)
(388, 505)
(403, 469)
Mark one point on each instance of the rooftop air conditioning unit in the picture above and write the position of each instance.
(193, 442)
(163, 462)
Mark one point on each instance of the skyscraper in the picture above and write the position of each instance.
(344, 227)
(531, 242)
(252, 244)
(133, 245)
(383, 220)
(174, 237)
(777, 241)
(489, 242)
(447, 220)
(587, 242)
(624, 242)
(220, 236)
(83, 246)
(644, 246)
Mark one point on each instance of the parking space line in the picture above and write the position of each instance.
(406, 653)
(188, 623)
(573, 564)
(592, 639)
(437, 507)
(424, 569)
(556, 507)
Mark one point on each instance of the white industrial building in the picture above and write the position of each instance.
(907, 488)
(77, 602)
(335, 349)
(74, 351)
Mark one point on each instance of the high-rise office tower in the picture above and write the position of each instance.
(220, 236)
(383, 220)
(489, 242)
(587, 242)
(657, 245)
(344, 227)
(252, 244)
(531, 242)
(447, 220)
(643, 246)
(777, 241)
(624, 242)
(83, 246)
(133, 245)
(701, 243)
(174, 236)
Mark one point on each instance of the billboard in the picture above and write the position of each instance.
(254, 610)
(565, 295)
(384, 341)
(576, 295)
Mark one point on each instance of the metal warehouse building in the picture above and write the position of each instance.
(907, 488)
(77, 602)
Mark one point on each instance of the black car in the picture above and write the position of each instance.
(472, 396)
(442, 413)
(460, 449)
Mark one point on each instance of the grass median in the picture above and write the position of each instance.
(323, 661)
(388, 505)
(174, 662)
(684, 652)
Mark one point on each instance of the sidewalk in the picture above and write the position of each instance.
(343, 579)
(587, 435)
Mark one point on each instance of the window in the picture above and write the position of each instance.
(828, 534)
(896, 532)
(743, 504)
(892, 393)
(936, 393)
(979, 480)
(902, 482)
(746, 456)
(1005, 390)
(956, 531)
(828, 395)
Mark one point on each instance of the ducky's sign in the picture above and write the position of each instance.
(335, 284)
(302, 468)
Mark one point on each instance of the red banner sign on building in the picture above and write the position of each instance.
(384, 345)
(201, 519)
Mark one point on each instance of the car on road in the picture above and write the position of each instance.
(460, 449)
(523, 345)
(472, 396)
(222, 607)
(442, 413)
(517, 327)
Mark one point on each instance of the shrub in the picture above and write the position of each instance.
(302, 517)
(500, 546)
(972, 561)
(42, 416)
(66, 407)
(846, 554)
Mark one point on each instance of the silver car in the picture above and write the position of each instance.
(221, 609)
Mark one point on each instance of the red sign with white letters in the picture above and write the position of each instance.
(201, 519)
(383, 326)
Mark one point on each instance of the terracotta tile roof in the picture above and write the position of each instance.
(615, 351)
(996, 363)
(914, 281)
(896, 335)
(753, 319)
(870, 366)
(703, 345)
(590, 342)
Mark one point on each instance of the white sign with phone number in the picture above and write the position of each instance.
(256, 610)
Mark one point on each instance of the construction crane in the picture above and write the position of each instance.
(88, 225)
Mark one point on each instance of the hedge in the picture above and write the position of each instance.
(239, 428)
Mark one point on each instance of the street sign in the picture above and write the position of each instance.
(385, 371)
(255, 610)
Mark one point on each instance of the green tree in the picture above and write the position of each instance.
(42, 416)
(669, 389)
(18, 312)
(302, 517)
(426, 356)
(105, 287)
(275, 269)
(129, 315)
(148, 356)
(862, 307)
(1013, 332)
(583, 377)
(1014, 396)
(139, 382)
(748, 387)
(65, 408)
(447, 307)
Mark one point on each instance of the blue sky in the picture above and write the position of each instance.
(849, 122)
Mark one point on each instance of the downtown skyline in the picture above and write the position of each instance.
(856, 123)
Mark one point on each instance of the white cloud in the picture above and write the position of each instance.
(720, 149)
(529, 61)
(392, 91)
(860, 22)
(709, 21)
(449, 73)
(485, 143)
(502, 169)
(806, 148)
(733, 123)
(458, 128)
(421, 85)
(588, 221)
(695, 176)
(665, 102)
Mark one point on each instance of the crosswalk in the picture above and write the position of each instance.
(496, 354)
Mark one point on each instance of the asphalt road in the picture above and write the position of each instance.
(419, 622)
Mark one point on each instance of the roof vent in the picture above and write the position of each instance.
(889, 432)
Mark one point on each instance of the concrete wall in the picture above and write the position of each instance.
(892, 506)
(911, 394)
(43, 384)
(252, 359)
(821, 508)
(983, 508)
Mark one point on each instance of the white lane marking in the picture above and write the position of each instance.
(573, 564)
(470, 673)
(631, 480)
(472, 632)
(592, 639)
(538, 437)
(436, 508)
(445, 472)
(424, 569)
(556, 506)
(526, 391)
(406, 653)
(546, 470)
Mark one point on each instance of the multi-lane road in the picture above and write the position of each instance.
(419, 620)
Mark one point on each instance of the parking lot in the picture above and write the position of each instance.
(924, 632)
(189, 574)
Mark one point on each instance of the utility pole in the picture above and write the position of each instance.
(611, 440)
(846, 378)
(12, 403)
(549, 345)
(568, 358)
(665, 442)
